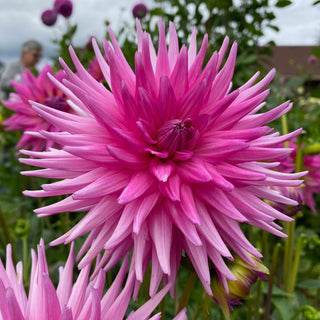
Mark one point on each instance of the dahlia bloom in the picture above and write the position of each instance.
(168, 160)
(311, 185)
(95, 70)
(69, 301)
(42, 90)
(292, 193)
(49, 17)
(246, 276)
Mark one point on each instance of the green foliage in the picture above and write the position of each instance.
(244, 22)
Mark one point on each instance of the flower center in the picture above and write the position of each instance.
(58, 103)
(175, 135)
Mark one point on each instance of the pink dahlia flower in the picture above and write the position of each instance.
(42, 90)
(81, 300)
(95, 70)
(311, 185)
(170, 159)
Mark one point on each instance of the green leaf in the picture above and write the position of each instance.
(316, 2)
(284, 307)
(277, 292)
(283, 3)
(309, 284)
(316, 51)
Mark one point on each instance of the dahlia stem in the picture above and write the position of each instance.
(249, 313)
(4, 227)
(285, 130)
(176, 296)
(196, 312)
(187, 291)
(264, 245)
(296, 260)
(25, 259)
(257, 300)
(162, 305)
(288, 253)
(290, 226)
(299, 155)
(292, 266)
(275, 255)
(206, 306)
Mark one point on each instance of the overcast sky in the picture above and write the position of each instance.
(20, 21)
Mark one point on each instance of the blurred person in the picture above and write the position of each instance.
(31, 52)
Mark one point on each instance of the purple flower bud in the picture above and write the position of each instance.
(64, 7)
(140, 10)
(49, 17)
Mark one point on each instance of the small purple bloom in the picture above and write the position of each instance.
(140, 10)
(49, 17)
(64, 7)
(312, 59)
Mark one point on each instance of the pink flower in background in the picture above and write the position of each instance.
(42, 90)
(170, 159)
(49, 17)
(292, 193)
(78, 301)
(311, 184)
(95, 70)
(140, 10)
(64, 7)
(312, 59)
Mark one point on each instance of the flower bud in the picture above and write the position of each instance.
(64, 7)
(49, 17)
(140, 10)
(246, 276)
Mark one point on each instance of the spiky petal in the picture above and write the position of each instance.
(81, 300)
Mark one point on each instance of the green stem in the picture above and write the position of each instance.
(206, 307)
(25, 260)
(249, 313)
(162, 307)
(275, 255)
(296, 263)
(264, 245)
(299, 155)
(196, 312)
(302, 309)
(285, 130)
(176, 296)
(288, 253)
(4, 227)
(6, 234)
(187, 291)
(257, 300)
(290, 275)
